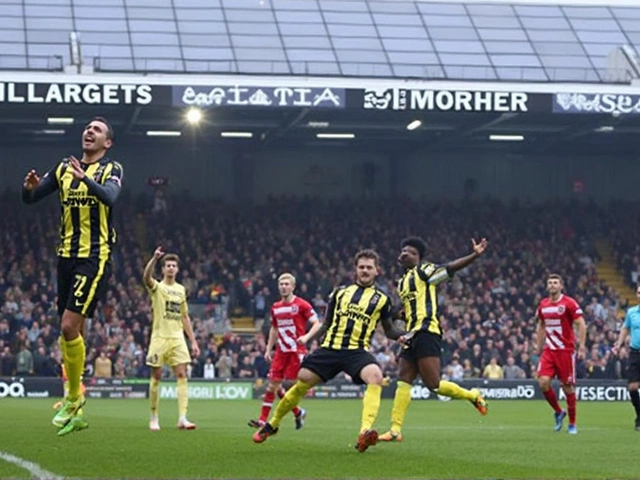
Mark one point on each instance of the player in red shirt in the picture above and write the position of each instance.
(289, 318)
(557, 315)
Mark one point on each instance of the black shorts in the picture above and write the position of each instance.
(327, 363)
(81, 283)
(633, 368)
(423, 344)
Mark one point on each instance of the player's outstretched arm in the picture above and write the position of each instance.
(107, 193)
(462, 262)
(147, 275)
(35, 189)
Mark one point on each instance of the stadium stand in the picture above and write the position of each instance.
(231, 256)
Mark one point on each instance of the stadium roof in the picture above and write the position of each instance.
(420, 39)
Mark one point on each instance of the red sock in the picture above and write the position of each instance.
(281, 393)
(550, 395)
(267, 403)
(571, 407)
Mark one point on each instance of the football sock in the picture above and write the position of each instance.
(401, 402)
(183, 397)
(453, 390)
(153, 395)
(63, 350)
(281, 393)
(550, 395)
(74, 356)
(267, 403)
(635, 400)
(370, 406)
(290, 400)
(571, 407)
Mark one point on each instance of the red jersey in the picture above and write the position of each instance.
(558, 318)
(290, 319)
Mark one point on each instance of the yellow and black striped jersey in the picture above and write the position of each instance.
(354, 312)
(417, 290)
(86, 223)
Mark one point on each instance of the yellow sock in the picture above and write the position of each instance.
(183, 397)
(74, 353)
(63, 350)
(401, 402)
(370, 406)
(154, 386)
(290, 400)
(453, 390)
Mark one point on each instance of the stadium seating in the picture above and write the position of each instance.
(231, 256)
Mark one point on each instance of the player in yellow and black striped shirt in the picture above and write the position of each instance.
(352, 315)
(421, 354)
(88, 189)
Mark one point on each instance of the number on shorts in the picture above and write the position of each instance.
(78, 286)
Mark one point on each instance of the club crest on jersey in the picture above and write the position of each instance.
(294, 309)
(375, 299)
(560, 309)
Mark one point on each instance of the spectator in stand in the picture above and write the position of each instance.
(233, 253)
(493, 371)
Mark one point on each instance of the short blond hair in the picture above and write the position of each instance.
(287, 276)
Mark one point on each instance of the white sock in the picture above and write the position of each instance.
(182, 419)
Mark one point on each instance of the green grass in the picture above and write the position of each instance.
(442, 440)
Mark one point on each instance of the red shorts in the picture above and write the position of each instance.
(285, 365)
(559, 363)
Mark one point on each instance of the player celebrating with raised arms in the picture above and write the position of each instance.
(352, 315)
(88, 189)
(557, 315)
(167, 345)
(421, 354)
(289, 318)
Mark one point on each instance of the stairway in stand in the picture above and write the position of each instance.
(608, 271)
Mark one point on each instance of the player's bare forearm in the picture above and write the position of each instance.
(324, 328)
(582, 332)
(147, 275)
(540, 332)
(315, 328)
(273, 337)
(624, 331)
(462, 262)
(188, 328)
(390, 329)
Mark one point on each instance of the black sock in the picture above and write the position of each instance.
(635, 399)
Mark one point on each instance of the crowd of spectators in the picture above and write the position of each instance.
(231, 257)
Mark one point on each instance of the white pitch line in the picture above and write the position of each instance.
(34, 469)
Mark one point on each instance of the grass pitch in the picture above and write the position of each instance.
(442, 440)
